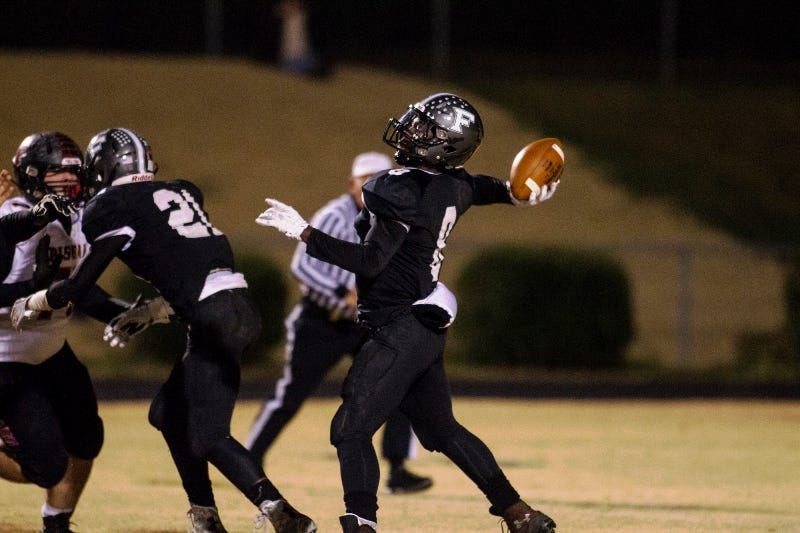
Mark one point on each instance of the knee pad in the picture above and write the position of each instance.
(45, 473)
(337, 428)
(203, 443)
(435, 440)
(156, 415)
(89, 442)
(428, 441)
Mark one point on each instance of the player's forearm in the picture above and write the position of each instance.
(84, 278)
(367, 259)
(99, 305)
(9, 292)
(19, 226)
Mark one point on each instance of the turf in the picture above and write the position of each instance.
(594, 466)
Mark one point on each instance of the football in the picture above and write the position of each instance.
(538, 164)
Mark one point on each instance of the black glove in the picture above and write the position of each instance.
(50, 207)
(45, 270)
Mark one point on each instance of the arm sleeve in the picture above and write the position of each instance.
(366, 259)
(489, 190)
(318, 275)
(100, 305)
(10, 292)
(84, 278)
(20, 226)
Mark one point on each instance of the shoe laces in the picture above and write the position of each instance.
(273, 512)
(282, 516)
(260, 523)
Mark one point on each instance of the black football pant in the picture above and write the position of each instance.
(314, 345)
(401, 365)
(48, 411)
(193, 409)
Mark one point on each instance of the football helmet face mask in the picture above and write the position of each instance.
(116, 156)
(441, 131)
(46, 153)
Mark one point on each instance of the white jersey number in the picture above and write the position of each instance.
(188, 219)
(448, 221)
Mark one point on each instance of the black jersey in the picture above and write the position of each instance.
(171, 242)
(408, 215)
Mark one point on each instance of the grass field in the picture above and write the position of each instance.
(594, 466)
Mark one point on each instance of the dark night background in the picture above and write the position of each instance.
(739, 36)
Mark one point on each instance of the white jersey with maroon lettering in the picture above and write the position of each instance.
(43, 337)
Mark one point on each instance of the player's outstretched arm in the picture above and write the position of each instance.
(72, 289)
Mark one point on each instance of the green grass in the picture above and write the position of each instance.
(594, 466)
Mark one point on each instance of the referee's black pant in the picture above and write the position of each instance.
(314, 345)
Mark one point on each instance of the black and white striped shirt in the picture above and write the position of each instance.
(325, 284)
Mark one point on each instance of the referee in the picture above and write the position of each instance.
(321, 329)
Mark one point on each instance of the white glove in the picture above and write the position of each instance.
(283, 218)
(538, 194)
(138, 317)
(28, 308)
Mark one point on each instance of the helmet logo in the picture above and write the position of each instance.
(462, 118)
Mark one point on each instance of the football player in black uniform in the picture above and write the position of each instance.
(160, 230)
(322, 329)
(409, 213)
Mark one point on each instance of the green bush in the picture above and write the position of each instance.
(165, 342)
(549, 307)
(269, 289)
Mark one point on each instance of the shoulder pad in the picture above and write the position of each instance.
(394, 194)
(100, 209)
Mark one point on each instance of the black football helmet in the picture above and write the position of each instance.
(114, 154)
(42, 153)
(441, 131)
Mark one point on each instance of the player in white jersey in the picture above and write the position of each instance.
(49, 424)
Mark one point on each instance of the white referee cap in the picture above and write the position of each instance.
(369, 163)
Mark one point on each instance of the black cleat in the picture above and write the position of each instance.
(57, 524)
(401, 481)
(522, 518)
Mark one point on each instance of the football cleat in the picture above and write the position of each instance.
(353, 524)
(401, 481)
(284, 518)
(203, 519)
(57, 524)
(522, 518)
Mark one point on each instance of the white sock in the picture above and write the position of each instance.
(49, 510)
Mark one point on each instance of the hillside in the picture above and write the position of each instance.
(244, 131)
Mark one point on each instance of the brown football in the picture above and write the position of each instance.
(538, 164)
